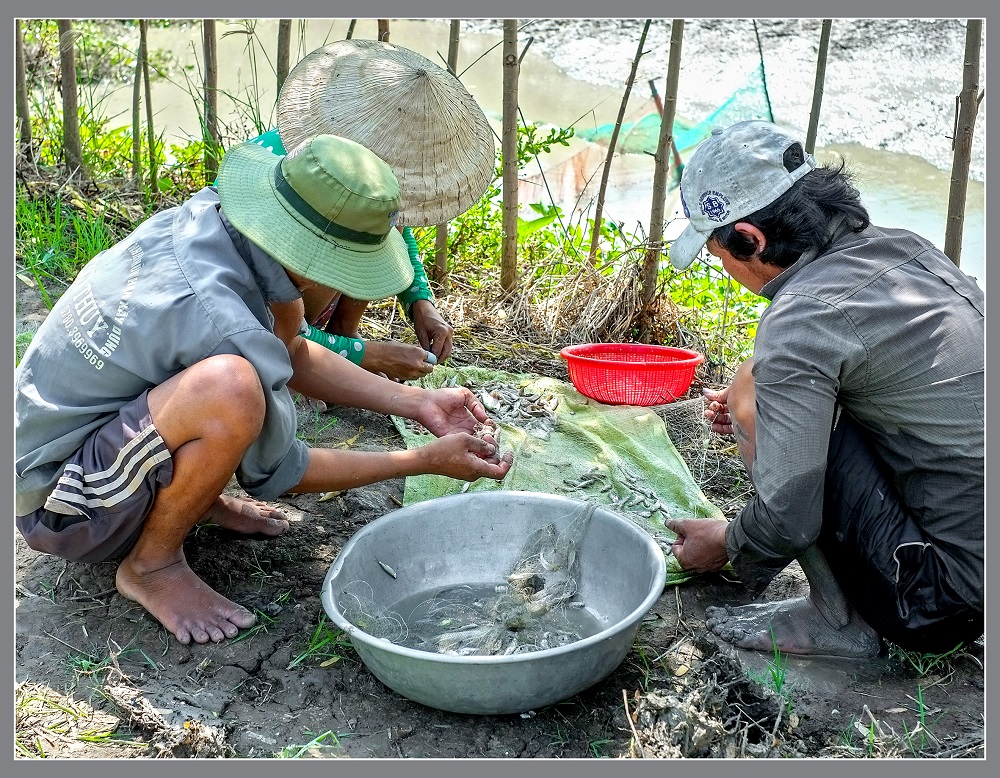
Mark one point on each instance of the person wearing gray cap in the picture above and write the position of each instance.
(167, 367)
(860, 417)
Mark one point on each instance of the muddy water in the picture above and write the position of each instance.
(900, 188)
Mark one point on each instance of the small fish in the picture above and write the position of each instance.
(386, 567)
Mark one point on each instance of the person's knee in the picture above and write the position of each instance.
(232, 383)
(222, 390)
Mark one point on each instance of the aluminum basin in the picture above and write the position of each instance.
(476, 539)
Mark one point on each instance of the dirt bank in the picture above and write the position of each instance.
(81, 646)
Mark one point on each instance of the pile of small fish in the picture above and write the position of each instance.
(640, 501)
(534, 413)
(500, 625)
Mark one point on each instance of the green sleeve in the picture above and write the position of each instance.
(270, 140)
(349, 348)
(419, 289)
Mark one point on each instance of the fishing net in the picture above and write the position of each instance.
(749, 101)
(536, 608)
(618, 457)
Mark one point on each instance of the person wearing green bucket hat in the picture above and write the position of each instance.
(167, 367)
(422, 121)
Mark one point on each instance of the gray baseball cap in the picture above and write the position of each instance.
(735, 172)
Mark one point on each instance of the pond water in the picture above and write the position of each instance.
(900, 189)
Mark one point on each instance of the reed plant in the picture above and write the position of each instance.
(560, 297)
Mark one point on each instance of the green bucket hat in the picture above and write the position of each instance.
(325, 211)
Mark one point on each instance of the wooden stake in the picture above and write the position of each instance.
(606, 173)
(511, 67)
(441, 231)
(71, 115)
(651, 266)
(824, 45)
(968, 107)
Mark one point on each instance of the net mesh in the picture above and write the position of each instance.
(619, 457)
(538, 606)
(749, 101)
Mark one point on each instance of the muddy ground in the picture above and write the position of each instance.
(82, 647)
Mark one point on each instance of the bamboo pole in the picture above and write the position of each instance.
(284, 50)
(211, 133)
(383, 30)
(824, 46)
(71, 114)
(651, 265)
(23, 110)
(678, 162)
(606, 173)
(150, 132)
(350, 30)
(511, 67)
(136, 113)
(441, 231)
(968, 107)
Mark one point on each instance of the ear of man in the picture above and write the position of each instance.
(751, 233)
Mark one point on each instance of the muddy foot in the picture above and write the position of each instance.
(183, 603)
(795, 627)
(246, 516)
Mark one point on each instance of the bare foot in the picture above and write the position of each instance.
(183, 603)
(246, 516)
(798, 627)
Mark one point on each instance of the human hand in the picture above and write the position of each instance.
(717, 410)
(700, 545)
(396, 361)
(466, 457)
(433, 332)
(444, 411)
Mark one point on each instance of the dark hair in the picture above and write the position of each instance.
(796, 222)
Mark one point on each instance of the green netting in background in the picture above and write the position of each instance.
(750, 101)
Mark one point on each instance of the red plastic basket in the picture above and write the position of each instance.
(631, 373)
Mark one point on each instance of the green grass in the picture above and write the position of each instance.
(775, 674)
(264, 620)
(22, 339)
(597, 748)
(49, 722)
(325, 645)
(53, 240)
(925, 663)
(311, 430)
(315, 747)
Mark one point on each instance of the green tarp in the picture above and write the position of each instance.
(619, 457)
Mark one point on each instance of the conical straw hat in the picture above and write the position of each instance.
(415, 115)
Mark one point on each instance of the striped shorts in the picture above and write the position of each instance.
(96, 510)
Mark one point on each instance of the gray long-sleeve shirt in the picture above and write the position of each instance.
(884, 324)
(182, 287)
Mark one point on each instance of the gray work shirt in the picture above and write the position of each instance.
(182, 287)
(883, 324)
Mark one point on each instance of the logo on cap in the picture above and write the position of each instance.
(714, 205)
